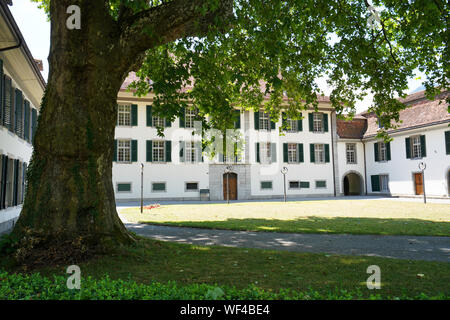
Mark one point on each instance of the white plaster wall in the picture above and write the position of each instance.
(400, 169)
(344, 167)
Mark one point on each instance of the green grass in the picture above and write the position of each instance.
(272, 271)
(382, 217)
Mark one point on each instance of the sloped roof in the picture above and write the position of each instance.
(351, 129)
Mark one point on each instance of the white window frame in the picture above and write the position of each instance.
(124, 115)
(264, 121)
(189, 117)
(416, 147)
(382, 151)
(190, 152)
(292, 125)
(350, 152)
(158, 146)
(317, 122)
(319, 153)
(158, 122)
(292, 152)
(124, 150)
(265, 152)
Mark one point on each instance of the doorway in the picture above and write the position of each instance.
(230, 178)
(418, 183)
(352, 185)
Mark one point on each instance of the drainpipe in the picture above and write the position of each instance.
(365, 168)
(332, 150)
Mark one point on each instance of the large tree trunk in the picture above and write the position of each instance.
(70, 193)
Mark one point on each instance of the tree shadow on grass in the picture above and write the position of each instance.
(332, 225)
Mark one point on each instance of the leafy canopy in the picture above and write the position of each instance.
(288, 45)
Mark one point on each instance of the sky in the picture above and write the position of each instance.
(35, 28)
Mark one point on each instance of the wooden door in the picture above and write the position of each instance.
(231, 178)
(418, 182)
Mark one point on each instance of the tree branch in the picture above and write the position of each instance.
(170, 21)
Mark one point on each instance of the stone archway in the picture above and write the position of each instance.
(353, 183)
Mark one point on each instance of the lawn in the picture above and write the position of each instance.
(382, 217)
(188, 265)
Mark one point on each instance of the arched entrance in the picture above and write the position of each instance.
(353, 184)
(230, 178)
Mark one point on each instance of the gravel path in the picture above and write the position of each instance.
(400, 247)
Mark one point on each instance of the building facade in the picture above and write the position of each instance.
(323, 156)
(21, 90)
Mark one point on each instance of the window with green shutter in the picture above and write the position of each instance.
(408, 148)
(325, 122)
(149, 152)
(124, 187)
(18, 101)
(423, 146)
(256, 118)
(312, 157)
(285, 152)
(258, 159)
(266, 185)
(300, 152)
(327, 153)
(26, 120)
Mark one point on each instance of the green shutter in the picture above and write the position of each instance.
(169, 151)
(18, 113)
(447, 142)
(300, 124)
(134, 148)
(26, 120)
(33, 123)
(257, 153)
(327, 153)
(149, 150)
(375, 179)
(423, 146)
(182, 117)
(182, 148)
(408, 148)
(300, 157)
(149, 116)
(134, 115)
(388, 151)
(237, 123)
(312, 157)
(272, 125)
(285, 152)
(115, 151)
(375, 151)
(256, 117)
(283, 121)
(15, 181)
(311, 122)
(168, 123)
(325, 122)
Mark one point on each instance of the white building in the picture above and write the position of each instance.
(323, 156)
(21, 90)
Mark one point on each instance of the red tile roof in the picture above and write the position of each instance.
(351, 129)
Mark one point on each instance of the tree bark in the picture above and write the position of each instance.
(69, 182)
(70, 195)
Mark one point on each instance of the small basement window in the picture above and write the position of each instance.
(321, 184)
(124, 187)
(294, 184)
(266, 184)
(191, 186)
(158, 187)
(304, 184)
